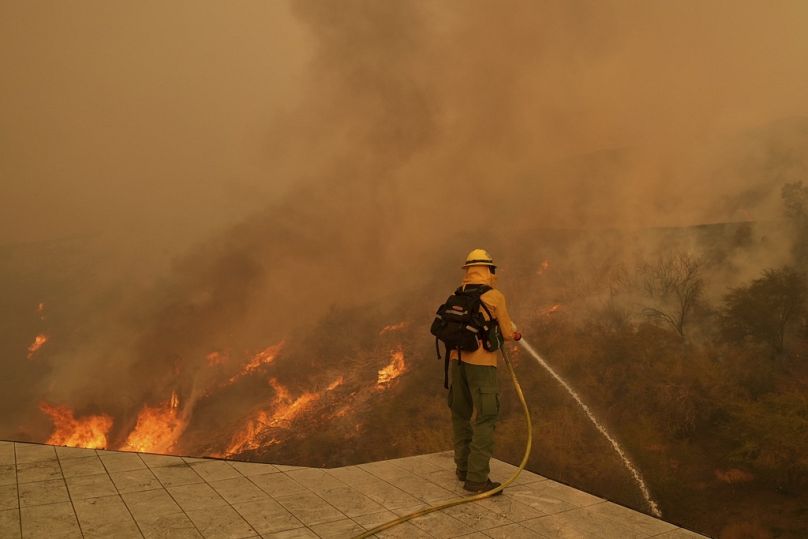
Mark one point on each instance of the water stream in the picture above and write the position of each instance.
(635, 473)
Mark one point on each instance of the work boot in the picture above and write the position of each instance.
(461, 474)
(479, 488)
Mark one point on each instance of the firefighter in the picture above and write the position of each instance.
(474, 383)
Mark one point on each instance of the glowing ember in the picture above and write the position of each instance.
(264, 357)
(90, 431)
(157, 429)
(544, 266)
(390, 328)
(40, 311)
(733, 475)
(39, 341)
(215, 358)
(283, 412)
(552, 309)
(395, 369)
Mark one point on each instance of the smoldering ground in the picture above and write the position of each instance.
(244, 170)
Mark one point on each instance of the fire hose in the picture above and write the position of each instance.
(483, 495)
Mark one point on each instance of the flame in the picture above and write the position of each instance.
(282, 413)
(286, 409)
(389, 328)
(39, 341)
(395, 369)
(89, 431)
(40, 311)
(157, 429)
(544, 266)
(264, 357)
(249, 437)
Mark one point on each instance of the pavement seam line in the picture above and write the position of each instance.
(321, 498)
(316, 494)
(205, 481)
(236, 511)
(271, 497)
(168, 493)
(69, 496)
(119, 494)
(17, 479)
(423, 502)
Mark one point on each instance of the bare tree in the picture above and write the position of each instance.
(674, 285)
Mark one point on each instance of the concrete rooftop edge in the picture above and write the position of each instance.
(48, 491)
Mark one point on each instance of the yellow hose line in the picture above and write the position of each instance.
(483, 495)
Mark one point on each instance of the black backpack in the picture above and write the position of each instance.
(462, 327)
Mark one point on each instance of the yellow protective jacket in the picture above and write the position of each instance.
(495, 301)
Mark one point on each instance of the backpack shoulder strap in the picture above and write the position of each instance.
(473, 289)
(446, 368)
(483, 288)
(485, 308)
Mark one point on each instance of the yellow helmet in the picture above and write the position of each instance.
(479, 257)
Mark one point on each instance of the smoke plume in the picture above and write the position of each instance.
(228, 175)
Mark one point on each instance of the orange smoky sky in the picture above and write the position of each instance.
(147, 116)
(140, 116)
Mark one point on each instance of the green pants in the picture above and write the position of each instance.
(473, 388)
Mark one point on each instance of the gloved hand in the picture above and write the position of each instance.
(517, 335)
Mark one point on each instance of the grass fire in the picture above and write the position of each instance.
(230, 239)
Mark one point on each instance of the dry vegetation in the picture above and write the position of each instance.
(702, 378)
(684, 342)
